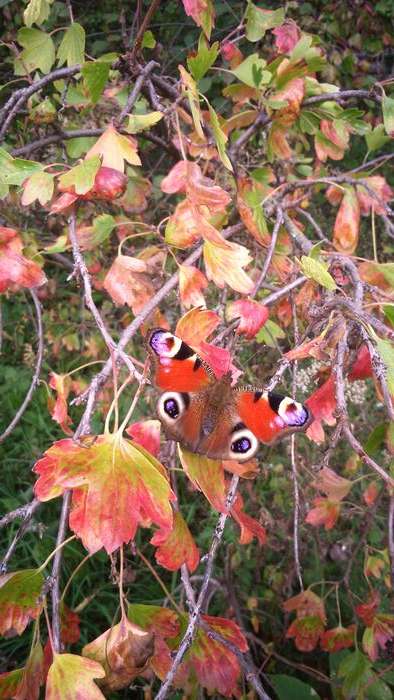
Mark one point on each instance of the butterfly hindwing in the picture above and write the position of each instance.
(269, 415)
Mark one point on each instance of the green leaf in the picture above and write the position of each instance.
(77, 147)
(36, 12)
(39, 186)
(386, 351)
(72, 47)
(59, 246)
(15, 170)
(388, 114)
(301, 48)
(38, 51)
(375, 440)
(379, 690)
(355, 670)
(220, 138)
(309, 122)
(269, 334)
(103, 226)
(4, 188)
(81, 176)
(148, 40)
(387, 270)
(251, 69)
(258, 21)
(317, 271)
(389, 313)
(95, 75)
(376, 138)
(140, 122)
(290, 688)
(205, 58)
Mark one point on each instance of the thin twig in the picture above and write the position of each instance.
(270, 251)
(136, 90)
(37, 369)
(57, 561)
(25, 512)
(390, 538)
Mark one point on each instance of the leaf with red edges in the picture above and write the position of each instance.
(338, 638)
(305, 604)
(202, 12)
(252, 315)
(123, 651)
(191, 283)
(176, 546)
(33, 676)
(325, 512)
(306, 632)
(147, 434)
(19, 600)
(186, 176)
(15, 270)
(127, 282)
(286, 36)
(163, 622)
(367, 201)
(71, 677)
(207, 475)
(116, 484)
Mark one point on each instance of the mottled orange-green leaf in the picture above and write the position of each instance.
(176, 546)
(202, 12)
(162, 622)
(115, 149)
(9, 683)
(191, 283)
(325, 512)
(338, 638)
(224, 264)
(117, 486)
(127, 282)
(15, 270)
(333, 485)
(71, 677)
(306, 632)
(147, 434)
(347, 223)
(33, 676)
(19, 600)
(207, 475)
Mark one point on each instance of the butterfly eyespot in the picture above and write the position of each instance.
(171, 405)
(243, 444)
(293, 413)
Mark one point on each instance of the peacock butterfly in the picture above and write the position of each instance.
(207, 415)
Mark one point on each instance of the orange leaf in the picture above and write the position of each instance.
(250, 196)
(176, 546)
(147, 434)
(286, 36)
(249, 526)
(186, 176)
(362, 367)
(207, 475)
(127, 282)
(123, 651)
(333, 485)
(224, 265)
(116, 484)
(191, 282)
(16, 270)
(196, 326)
(347, 223)
(10, 682)
(338, 638)
(19, 600)
(378, 184)
(252, 315)
(115, 149)
(322, 404)
(277, 143)
(305, 604)
(370, 494)
(71, 677)
(293, 93)
(306, 632)
(183, 227)
(325, 512)
(61, 383)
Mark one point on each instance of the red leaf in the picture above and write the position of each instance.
(338, 638)
(191, 282)
(176, 546)
(15, 270)
(231, 53)
(322, 404)
(325, 512)
(19, 600)
(249, 526)
(197, 325)
(367, 611)
(161, 621)
(333, 485)
(286, 36)
(123, 651)
(384, 192)
(306, 604)
(186, 176)
(69, 625)
(347, 223)
(370, 494)
(203, 13)
(252, 315)
(116, 484)
(306, 632)
(61, 383)
(362, 367)
(71, 677)
(147, 434)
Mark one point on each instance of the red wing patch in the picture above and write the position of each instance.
(177, 367)
(270, 416)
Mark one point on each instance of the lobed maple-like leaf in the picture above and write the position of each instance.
(19, 600)
(147, 434)
(15, 270)
(249, 526)
(127, 282)
(202, 12)
(191, 283)
(183, 227)
(38, 186)
(176, 546)
(123, 651)
(160, 621)
(252, 315)
(117, 485)
(347, 223)
(71, 677)
(305, 604)
(224, 263)
(325, 512)
(338, 638)
(115, 149)
(306, 632)
(286, 36)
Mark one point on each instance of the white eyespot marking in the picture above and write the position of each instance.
(165, 344)
(171, 406)
(244, 445)
(292, 412)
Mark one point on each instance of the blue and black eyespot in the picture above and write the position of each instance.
(244, 443)
(241, 446)
(172, 405)
(171, 408)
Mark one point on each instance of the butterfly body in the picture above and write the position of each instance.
(207, 415)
